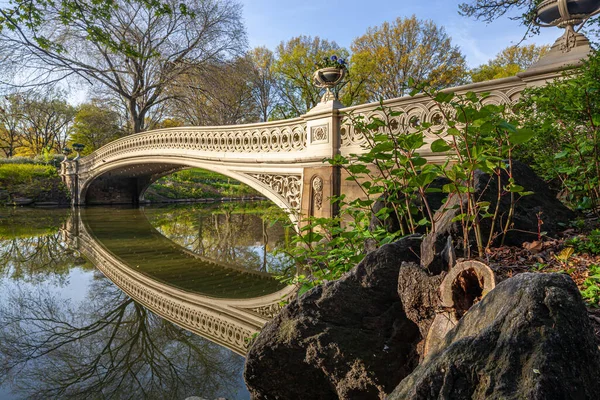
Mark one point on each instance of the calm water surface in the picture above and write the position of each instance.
(68, 332)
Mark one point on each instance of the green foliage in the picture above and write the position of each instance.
(474, 136)
(565, 115)
(197, 184)
(33, 181)
(15, 174)
(586, 244)
(385, 56)
(293, 70)
(508, 62)
(332, 62)
(591, 287)
(94, 126)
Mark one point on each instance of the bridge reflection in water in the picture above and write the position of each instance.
(226, 304)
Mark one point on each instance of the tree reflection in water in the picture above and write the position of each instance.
(105, 347)
(108, 347)
(244, 234)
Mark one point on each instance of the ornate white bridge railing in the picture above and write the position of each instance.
(253, 139)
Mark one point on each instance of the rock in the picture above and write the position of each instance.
(542, 203)
(20, 201)
(347, 339)
(46, 204)
(529, 338)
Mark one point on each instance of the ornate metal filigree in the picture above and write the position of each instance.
(568, 40)
(317, 186)
(289, 136)
(289, 187)
(414, 112)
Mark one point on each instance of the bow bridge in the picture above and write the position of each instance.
(283, 160)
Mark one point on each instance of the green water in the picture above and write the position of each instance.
(67, 332)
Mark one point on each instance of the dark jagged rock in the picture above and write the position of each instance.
(529, 338)
(347, 339)
(542, 203)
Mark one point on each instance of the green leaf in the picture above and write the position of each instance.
(358, 169)
(521, 136)
(440, 146)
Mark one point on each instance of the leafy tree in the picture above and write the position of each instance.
(386, 56)
(566, 116)
(509, 62)
(45, 124)
(294, 68)
(264, 89)
(11, 118)
(216, 94)
(133, 48)
(95, 125)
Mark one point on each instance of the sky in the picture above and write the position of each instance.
(268, 22)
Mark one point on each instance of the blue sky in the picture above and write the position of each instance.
(268, 22)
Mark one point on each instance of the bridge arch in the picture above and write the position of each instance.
(283, 187)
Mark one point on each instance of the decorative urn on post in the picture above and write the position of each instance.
(566, 14)
(78, 147)
(66, 151)
(330, 73)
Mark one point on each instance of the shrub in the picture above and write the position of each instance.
(586, 244)
(15, 174)
(476, 136)
(591, 287)
(565, 114)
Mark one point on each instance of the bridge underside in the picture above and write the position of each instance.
(300, 190)
(126, 184)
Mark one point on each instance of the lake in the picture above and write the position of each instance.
(148, 303)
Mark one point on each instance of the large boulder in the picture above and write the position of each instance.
(347, 339)
(529, 338)
(542, 203)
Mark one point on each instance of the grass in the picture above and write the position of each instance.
(37, 182)
(197, 184)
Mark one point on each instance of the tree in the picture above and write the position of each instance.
(509, 62)
(11, 118)
(45, 124)
(134, 48)
(264, 87)
(388, 55)
(489, 10)
(294, 68)
(216, 94)
(95, 125)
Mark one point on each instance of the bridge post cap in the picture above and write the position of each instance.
(326, 107)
